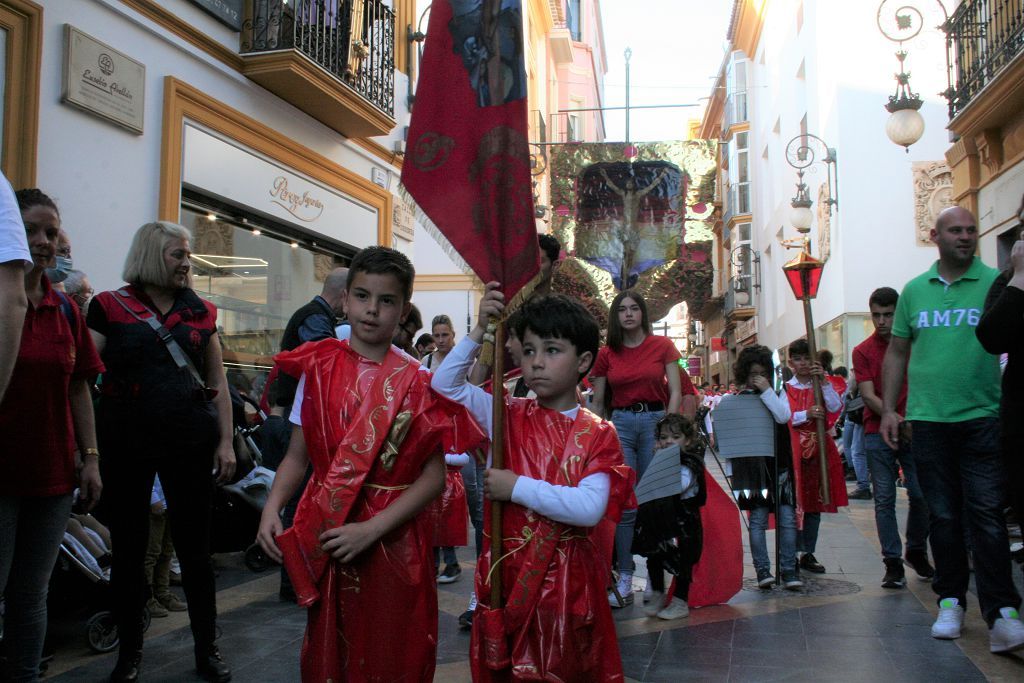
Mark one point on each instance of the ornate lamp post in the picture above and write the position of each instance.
(804, 272)
(905, 125)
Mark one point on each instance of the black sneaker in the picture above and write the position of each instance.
(918, 561)
(860, 494)
(450, 574)
(791, 580)
(894, 575)
(466, 620)
(811, 564)
(765, 580)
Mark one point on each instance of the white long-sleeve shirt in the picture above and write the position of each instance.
(581, 505)
(833, 401)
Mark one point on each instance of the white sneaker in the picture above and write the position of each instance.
(1007, 634)
(677, 609)
(625, 588)
(655, 604)
(950, 620)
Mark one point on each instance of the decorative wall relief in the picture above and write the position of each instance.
(933, 192)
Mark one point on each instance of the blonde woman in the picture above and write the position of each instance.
(164, 410)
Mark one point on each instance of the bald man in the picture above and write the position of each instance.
(953, 412)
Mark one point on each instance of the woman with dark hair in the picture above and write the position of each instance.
(640, 373)
(164, 410)
(46, 415)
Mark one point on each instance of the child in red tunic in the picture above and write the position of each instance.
(806, 456)
(566, 484)
(359, 553)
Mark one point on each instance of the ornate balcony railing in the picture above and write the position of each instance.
(985, 36)
(352, 39)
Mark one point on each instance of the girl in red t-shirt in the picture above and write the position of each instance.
(640, 372)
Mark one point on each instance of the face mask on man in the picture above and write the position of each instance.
(62, 268)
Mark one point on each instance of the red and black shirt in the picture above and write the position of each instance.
(36, 427)
(144, 393)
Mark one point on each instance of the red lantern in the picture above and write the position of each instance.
(804, 275)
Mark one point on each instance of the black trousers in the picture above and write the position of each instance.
(188, 483)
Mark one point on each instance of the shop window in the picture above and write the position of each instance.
(257, 275)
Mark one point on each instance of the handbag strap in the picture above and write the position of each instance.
(181, 359)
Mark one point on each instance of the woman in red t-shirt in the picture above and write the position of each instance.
(45, 413)
(641, 373)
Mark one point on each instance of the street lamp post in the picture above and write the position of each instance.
(905, 125)
(804, 271)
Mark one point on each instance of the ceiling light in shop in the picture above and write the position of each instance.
(229, 262)
(211, 217)
(256, 232)
(295, 245)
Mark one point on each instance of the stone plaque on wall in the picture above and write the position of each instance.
(403, 223)
(933, 192)
(102, 81)
(227, 12)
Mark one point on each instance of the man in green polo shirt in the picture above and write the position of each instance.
(953, 408)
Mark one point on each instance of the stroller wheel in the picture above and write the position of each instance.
(102, 632)
(256, 560)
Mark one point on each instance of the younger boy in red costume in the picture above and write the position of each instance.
(806, 459)
(567, 484)
(359, 553)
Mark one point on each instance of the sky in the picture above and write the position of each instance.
(677, 47)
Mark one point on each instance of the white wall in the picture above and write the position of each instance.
(847, 78)
(104, 178)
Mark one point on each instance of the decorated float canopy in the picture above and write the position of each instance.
(634, 216)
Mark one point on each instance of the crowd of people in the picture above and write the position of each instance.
(384, 442)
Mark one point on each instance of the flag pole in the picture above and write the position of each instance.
(497, 455)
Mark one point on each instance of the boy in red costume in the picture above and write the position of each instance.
(359, 553)
(806, 459)
(567, 484)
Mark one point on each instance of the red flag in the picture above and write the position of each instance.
(468, 165)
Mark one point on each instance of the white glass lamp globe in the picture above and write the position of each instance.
(905, 127)
(800, 217)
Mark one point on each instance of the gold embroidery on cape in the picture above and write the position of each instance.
(388, 453)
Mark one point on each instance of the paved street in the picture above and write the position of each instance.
(843, 627)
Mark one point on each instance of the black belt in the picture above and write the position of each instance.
(643, 407)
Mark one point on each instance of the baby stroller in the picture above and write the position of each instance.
(237, 507)
(79, 585)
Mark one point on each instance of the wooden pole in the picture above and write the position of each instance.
(497, 457)
(819, 401)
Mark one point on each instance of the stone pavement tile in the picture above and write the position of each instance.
(637, 652)
(866, 645)
(280, 665)
(930, 668)
(788, 621)
(781, 656)
(717, 635)
(452, 644)
(764, 674)
(767, 640)
(669, 672)
(837, 619)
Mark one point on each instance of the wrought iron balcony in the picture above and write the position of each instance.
(984, 36)
(333, 59)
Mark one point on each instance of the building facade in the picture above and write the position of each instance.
(266, 127)
(787, 94)
(987, 119)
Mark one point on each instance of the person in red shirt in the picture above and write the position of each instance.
(640, 371)
(45, 413)
(884, 463)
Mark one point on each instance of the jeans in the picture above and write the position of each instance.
(960, 467)
(853, 447)
(786, 526)
(31, 530)
(473, 477)
(446, 552)
(884, 465)
(807, 538)
(636, 434)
